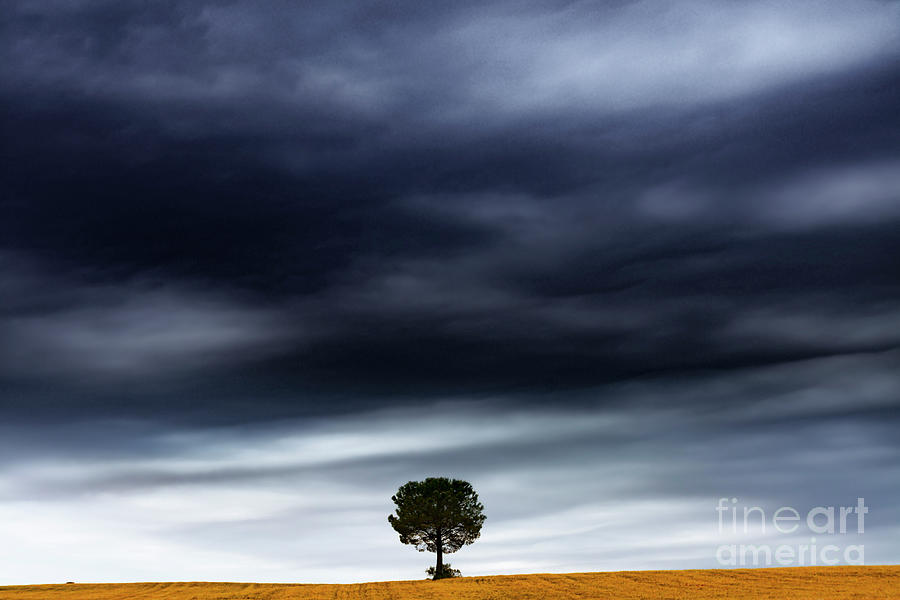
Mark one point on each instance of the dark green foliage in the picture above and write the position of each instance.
(446, 574)
(439, 515)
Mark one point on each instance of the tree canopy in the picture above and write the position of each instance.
(438, 514)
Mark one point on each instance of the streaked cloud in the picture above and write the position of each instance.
(262, 263)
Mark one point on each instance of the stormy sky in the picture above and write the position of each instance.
(262, 263)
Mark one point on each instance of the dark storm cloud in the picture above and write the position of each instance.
(609, 261)
(540, 197)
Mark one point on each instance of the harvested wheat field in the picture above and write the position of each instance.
(802, 583)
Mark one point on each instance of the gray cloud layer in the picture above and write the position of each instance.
(610, 262)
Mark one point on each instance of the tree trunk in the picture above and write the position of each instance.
(439, 567)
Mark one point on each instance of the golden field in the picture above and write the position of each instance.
(801, 583)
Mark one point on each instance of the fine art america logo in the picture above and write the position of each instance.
(832, 521)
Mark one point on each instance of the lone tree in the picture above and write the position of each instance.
(439, 515)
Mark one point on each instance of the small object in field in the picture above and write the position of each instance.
(446, 573)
